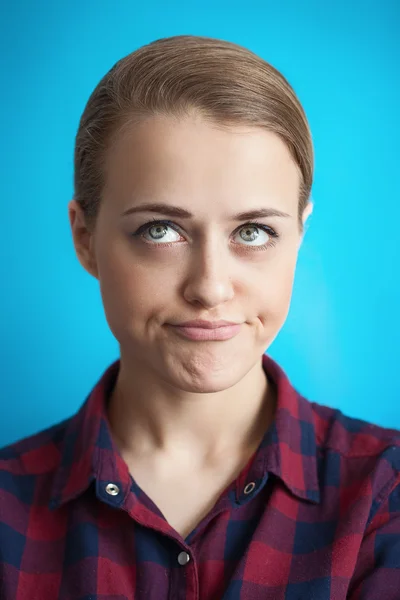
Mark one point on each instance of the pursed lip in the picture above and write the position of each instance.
(206, 324)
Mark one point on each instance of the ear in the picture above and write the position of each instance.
(83, 239)
(306, 213)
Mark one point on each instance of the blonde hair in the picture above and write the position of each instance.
(225, 83)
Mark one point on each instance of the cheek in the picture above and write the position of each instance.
(276, 291)
(126, 299)
(282, 292)
(130, 291)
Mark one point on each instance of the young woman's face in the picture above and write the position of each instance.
(211, 266)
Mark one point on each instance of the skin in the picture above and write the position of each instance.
(172, 393)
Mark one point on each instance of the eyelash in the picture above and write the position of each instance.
(271, 232)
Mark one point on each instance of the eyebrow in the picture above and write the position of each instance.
(176, 211)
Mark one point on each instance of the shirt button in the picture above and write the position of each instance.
(249, 487)
(112, 489)
(183, 558)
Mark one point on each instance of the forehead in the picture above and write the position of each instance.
(193, 162)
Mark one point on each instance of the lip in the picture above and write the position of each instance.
(206, 324)
(204, 334)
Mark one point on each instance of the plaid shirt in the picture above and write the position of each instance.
(315, 514)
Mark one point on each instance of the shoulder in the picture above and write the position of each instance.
(356, 456)
(349, 436)
(29, 460)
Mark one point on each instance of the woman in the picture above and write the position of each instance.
(194, 469)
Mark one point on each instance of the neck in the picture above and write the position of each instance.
(147, 416)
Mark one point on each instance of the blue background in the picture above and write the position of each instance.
(339, 345)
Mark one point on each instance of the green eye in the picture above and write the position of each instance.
(154, 222)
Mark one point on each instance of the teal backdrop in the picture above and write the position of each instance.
(340, 343)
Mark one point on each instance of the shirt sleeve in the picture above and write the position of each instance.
(377, 572)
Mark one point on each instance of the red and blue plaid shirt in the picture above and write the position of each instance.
(315, 514)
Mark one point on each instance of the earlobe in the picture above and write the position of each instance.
(92, 269)
(83, 240)
(307, 212)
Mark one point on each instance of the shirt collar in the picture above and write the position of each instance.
(88, 450)
(289, 447)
